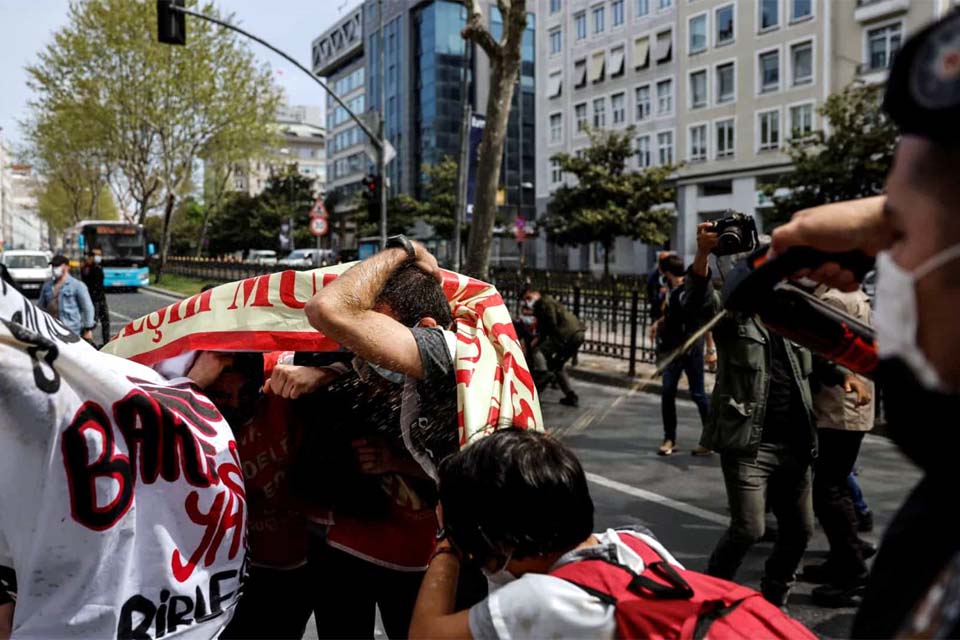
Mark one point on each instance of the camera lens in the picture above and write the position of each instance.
(730, 240)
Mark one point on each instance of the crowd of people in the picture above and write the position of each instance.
(338, 483)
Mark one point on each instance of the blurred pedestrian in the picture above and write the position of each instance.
(92, 275)
(67, 299)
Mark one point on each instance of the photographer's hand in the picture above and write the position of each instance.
(706, 242)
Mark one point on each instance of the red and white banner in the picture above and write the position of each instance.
(494, 386)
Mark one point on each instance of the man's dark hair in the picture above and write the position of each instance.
(413, 295)
(672, 264)
(250, 365)
(517, 492)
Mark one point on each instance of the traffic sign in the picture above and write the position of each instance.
(319, 226)
(318, 210)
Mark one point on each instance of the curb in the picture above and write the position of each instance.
(164, 292)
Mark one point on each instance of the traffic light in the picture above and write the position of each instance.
(371, 183)
(171, 24)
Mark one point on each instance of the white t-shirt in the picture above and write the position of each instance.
(540, 606)
(122, 507)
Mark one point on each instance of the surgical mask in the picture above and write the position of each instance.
(97, 259)
(57, 272)
(896, 318)
(499, 578)
(388, 374)
(528, 320)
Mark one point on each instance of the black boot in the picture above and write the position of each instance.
(570, 400)
(847, 593)
(775, 592)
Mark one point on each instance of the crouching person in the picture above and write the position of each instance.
(517, 504)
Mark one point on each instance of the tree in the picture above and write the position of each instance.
(504, 66)
(608, 202)
(852, 161)
(439, 209)
(61, 208)
(156, 109)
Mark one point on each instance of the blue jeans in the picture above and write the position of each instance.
(690, 363)
(859, 504)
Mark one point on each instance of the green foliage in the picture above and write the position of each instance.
(61, 208)
(851, 162)
(608, 201)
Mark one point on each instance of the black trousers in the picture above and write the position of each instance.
(918, 544)
(275, 604)
(833, 504)
(690, 363)
(102, 315)
(346, 592)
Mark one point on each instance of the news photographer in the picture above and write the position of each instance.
(761, 422)
(914, 231)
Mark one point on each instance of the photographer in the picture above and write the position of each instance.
(915, 233)
(763, 427)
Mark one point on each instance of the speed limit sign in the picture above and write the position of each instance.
(319, 226)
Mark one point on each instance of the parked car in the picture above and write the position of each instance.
(308, 258)
(30, 269)
(265, 257)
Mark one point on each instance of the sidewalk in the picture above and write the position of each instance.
(614, 372)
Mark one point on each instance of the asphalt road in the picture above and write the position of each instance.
(681, 498)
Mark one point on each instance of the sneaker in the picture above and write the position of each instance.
(666, 449)
(836, 595)
(865, 521)
(570, 400)
(701, 451)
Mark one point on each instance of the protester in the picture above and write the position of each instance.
(841, 426)
(391, 312)
(657, 288)
(677, 324)
(517, 504)
(915, 233)
(92, 275)
(762, 426)
(559, 336)
(67, 299)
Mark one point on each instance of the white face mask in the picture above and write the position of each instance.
(528, 320)
(896, 316)
(58, 272)
(499, 578)
(97, 259)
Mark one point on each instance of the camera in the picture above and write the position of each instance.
(736, 233)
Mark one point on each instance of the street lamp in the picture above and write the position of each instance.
(171, 29)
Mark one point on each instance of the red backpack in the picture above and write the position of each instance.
(666, 601)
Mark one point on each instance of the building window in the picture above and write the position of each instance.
(882, 45)
(643, 152)
(801, 56)
(554, 85)
(580, 25)
(580, 111)
(769, 14)
(618, 106)
(616, 8)
(769, 71)
(769, 130)
(726, 83)
(554, 6)
(600, 113)
(664, 97)
(556, 174)
(724, 23)
(642, 95)
(698, 34)
(556, 128)
(641, 52)
(665, 147)
(664, 46)
(579, 74)
(616, 62)
(597, 62)
(664, 4)
(800, 9)
(801, 120)
(725, 138)
(643, 7)
(598, 19)
(698, 89)
(556, 41)
(698, 143)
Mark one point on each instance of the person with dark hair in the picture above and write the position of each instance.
(517, 504)
(560, 334)
(399, 401)
(678, 322)
(92, 275)
(657, 288)
(67, 299)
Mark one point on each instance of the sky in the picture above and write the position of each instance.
(26, 26)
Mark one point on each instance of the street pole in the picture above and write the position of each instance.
(464, 156)
(382, 149)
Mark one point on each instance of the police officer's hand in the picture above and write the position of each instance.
(292, 381)
(853, 384)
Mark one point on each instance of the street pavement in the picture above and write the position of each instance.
(680, 498)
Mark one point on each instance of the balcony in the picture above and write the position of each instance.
(869, 10)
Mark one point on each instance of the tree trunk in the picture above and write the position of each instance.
(165, 239)
(503, 77)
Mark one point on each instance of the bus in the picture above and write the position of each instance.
(123, 247)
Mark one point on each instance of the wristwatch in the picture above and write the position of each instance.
(402, 242)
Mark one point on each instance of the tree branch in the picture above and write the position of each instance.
(477, 33)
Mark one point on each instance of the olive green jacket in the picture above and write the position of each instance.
(555, 321)
(738, 405)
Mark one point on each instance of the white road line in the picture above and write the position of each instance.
(650, 496)
(121, 316)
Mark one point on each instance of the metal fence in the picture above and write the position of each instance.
(614, 310)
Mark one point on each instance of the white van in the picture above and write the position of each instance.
(29, 269)
(265, 257)
(307, 258)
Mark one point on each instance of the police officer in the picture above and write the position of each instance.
(915, 233)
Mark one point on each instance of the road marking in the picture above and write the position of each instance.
(650, 496)
(121, 316)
